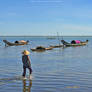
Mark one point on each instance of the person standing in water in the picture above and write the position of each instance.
(26, 64)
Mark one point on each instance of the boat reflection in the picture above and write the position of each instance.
(27, 86)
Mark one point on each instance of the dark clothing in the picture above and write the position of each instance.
(26, 61)
(73, 42)
(16, 42)
(24, 70)
(26, 64)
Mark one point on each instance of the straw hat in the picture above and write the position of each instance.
(25, 52)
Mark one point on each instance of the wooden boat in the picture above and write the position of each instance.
(7, 43)
(56, 46)
(40, 49)
(70, 44)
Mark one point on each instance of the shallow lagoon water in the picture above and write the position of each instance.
(58, 70)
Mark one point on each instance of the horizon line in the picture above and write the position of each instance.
(44, 35)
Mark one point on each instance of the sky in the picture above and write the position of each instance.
(46, 17)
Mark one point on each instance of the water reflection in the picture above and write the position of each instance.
(27, 86)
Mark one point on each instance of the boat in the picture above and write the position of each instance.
(41, 48)
(52, 37)
(16, 43)
(56, 46)
(74, 44)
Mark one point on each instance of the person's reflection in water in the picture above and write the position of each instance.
(27, 87)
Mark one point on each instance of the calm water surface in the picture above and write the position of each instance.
(58, 70)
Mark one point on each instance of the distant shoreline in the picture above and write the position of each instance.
(44, 36)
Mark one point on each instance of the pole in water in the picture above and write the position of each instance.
(62, 39)
(58, 38)
(62, 36)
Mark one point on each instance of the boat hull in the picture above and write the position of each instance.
(14, 44)
(73, 45)
(42, 49)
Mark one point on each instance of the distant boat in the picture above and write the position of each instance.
(70, 44)
(7, 43)
(51, 37)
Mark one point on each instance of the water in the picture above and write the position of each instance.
(58, 70)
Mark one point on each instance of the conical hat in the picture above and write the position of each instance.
(25, 52)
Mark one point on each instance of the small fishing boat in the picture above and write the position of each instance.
(51, 37)
(56, 46)
(16, 43)
(41, 48)
(74, 44)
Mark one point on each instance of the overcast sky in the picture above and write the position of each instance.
(45, 17)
